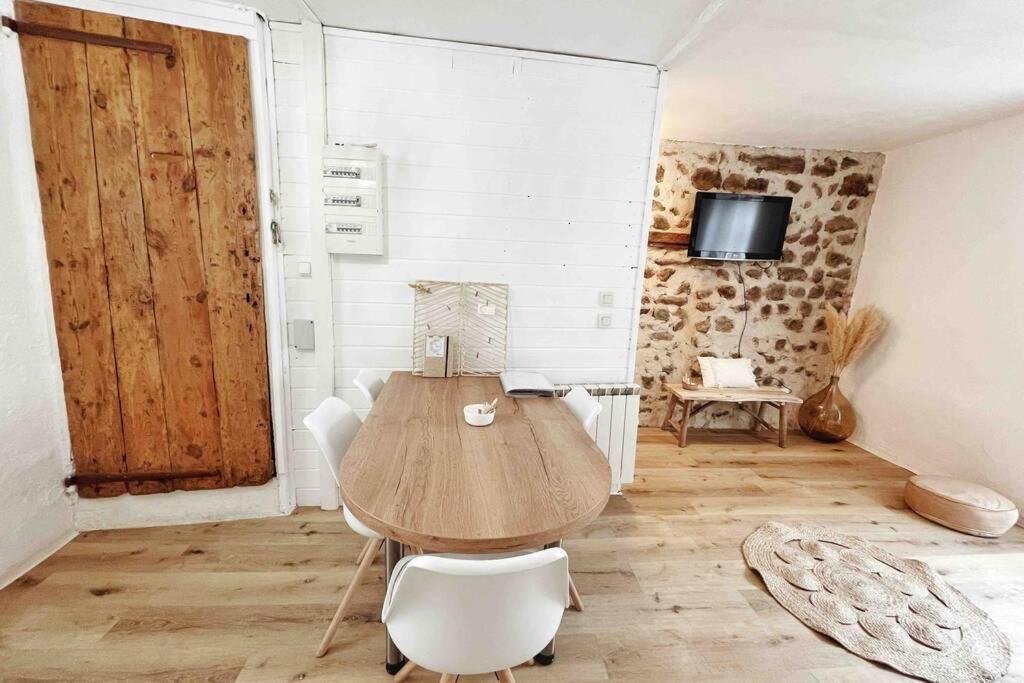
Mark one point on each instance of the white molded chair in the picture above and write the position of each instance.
(334, 425)
(584, 406)
(586, 409)
(458, 615)
(369, 383)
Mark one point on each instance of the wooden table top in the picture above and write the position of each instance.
(733, 395)
(419, 474)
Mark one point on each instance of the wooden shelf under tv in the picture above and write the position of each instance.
(668, 238)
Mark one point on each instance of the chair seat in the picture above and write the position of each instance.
(476, 614)
(404, 562)
(358, 526)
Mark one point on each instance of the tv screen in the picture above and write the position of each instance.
(739, 227)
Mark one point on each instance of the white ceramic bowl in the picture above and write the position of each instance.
(473, 416)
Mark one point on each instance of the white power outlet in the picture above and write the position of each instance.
(606, 298)
(604, 321)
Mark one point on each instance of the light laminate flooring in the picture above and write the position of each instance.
(667, 594)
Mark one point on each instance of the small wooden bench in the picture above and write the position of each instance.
(695, 400)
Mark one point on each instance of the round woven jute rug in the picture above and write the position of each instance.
(878, 606)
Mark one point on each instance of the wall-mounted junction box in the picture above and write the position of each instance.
(351, 194)
(303, 334)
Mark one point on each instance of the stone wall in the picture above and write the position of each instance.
(694, 308)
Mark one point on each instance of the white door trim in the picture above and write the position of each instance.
(261, 77)
(207, 15)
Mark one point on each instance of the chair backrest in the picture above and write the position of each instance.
(460, 615)
(333, 425)
(585, 407)
(370, 383)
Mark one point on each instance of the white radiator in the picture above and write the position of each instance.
(614, 431)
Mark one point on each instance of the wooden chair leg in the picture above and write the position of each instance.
(505, 676)
(372, 546)
(684, 422)
(362, 553)
(783, 424)
(405, 671)
(574, 596)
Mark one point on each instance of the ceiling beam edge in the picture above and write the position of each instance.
(707, 15)
(310, 13)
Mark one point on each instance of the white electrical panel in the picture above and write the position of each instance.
(351, 195)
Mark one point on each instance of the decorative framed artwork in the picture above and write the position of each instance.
(474, 317)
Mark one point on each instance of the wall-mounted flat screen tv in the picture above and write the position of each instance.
(738, 227)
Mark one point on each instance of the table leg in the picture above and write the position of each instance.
(684, 422)
(760, 414)
(667, 422)
(395, 658)
(783, 424)
(547, 655)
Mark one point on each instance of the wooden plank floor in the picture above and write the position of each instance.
(667, 594)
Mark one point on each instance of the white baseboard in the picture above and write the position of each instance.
(17, 571)
(875, 452)
(179, 507)
(1020, 520)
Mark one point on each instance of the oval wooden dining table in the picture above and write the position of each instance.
(418, 474)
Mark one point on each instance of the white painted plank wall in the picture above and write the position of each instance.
(501, 166)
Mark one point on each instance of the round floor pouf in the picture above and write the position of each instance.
(961, 505)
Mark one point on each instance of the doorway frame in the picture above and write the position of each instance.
(278, 495)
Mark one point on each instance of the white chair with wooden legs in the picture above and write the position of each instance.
(369, 383)
(334, 425)
(586, 409)
(584, 406)
(460, 615)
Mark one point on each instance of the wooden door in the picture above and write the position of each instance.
(145, 157)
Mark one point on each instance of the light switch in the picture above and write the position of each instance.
(303, 335)
(604, 321)
(305, 269)
(607, 298)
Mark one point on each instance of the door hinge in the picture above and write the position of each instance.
(61, 33)
(78, 479)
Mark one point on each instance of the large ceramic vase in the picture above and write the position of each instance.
(827, 415)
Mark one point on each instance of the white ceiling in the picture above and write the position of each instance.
(626, 30)
(858, 74)
(854, 74)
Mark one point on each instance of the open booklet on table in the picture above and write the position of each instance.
(526, 384)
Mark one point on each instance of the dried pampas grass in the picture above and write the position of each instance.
(849, 337)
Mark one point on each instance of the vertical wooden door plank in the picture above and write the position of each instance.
(124, 237)
(175, 252)
(220, 117)
(57, 78)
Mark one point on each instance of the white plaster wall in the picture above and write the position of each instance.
(34, 443)
(179, 507)
(942, 391)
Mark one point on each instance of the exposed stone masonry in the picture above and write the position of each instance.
(692, 308)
